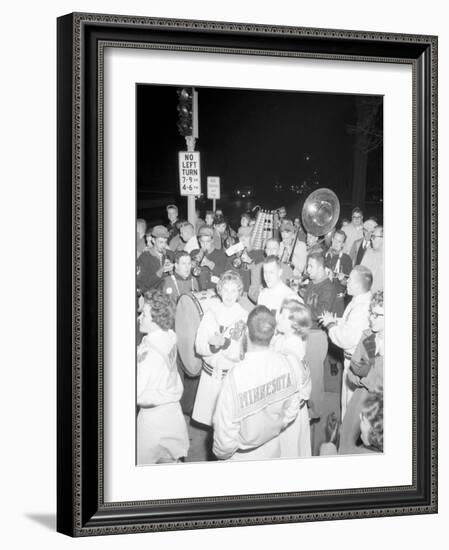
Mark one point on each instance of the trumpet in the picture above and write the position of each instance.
(196, 263)
(238, 263)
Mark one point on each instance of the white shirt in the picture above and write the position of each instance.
(353, 233)
(273, 297)
(191, 244)
(348, 330)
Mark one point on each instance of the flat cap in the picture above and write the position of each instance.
(160, 231)
(205, 231)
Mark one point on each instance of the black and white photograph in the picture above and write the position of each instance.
(259, 274)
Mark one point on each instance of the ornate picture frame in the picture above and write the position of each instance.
(82, 39)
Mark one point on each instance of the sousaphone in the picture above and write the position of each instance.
(320, 212)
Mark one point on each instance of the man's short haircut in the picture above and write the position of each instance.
(318, 257)
(180, 254)
(374, 219)
(186, 224)
(171, 207)
(357, 210)
(210, 213)
(365, 276)
(272, 259)
(246, 215)
(340, 232)
(261, 326)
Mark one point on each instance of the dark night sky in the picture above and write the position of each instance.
(251, 137)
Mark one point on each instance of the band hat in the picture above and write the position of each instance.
(205, 231)
(370, 225)
(159, 231)
(244, 231)
(287, 225)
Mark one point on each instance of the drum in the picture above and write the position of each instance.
(189, 312)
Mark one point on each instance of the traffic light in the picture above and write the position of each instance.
(185, 111)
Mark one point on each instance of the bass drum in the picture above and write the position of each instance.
(189, 312)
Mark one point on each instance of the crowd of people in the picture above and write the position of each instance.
(274, 318)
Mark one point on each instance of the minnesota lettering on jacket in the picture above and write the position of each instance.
(259, 393)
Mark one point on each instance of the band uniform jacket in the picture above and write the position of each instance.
(259, 398)
(320, 297)
(150, 268)
(219, 259)
(174, 285)
(338, 263)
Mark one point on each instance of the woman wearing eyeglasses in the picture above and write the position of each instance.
(365, 374)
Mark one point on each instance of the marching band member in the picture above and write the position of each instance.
(293, 324)
(212, 261)
(155, 261)
(292, 250)
(259, 398)
(181, 280)
(219, 342)
(313, 244)
(161, 429)
(346, 332)
(320, 293)
(276, 291)
(339, 266)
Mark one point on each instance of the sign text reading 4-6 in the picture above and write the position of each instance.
(189, 173)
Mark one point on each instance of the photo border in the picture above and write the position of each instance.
(81, 42)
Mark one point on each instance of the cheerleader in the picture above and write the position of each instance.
(161, 429)
(293, 324)
(219, 342)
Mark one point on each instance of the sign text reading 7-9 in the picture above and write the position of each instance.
(189, 173)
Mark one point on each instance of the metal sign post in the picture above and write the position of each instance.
(213, 189)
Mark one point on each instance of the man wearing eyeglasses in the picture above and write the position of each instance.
(353, 230)
(374, 258)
